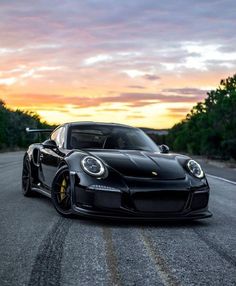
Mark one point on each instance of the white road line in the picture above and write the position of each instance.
(221, 179)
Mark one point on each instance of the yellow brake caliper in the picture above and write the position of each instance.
(63, 189)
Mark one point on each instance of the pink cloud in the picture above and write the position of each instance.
(129, 99)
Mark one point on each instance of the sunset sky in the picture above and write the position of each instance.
(143, 63)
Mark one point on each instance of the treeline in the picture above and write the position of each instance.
(12, 128)
(210, 128)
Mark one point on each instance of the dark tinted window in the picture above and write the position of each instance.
(109, 137)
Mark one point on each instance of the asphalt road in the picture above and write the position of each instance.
(38, 247)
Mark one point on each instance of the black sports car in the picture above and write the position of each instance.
(115, 171)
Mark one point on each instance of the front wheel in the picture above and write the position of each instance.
(61, 192)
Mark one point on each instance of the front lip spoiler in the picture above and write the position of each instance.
(133, 216)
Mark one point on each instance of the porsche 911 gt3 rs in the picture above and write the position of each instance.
(111, 170)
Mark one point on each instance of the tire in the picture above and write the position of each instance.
(26, 178)
(61, 192)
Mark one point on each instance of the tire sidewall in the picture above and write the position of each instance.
(27, 191)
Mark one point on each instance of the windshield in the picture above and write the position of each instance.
(109, 137)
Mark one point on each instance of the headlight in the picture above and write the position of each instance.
(195, 169)
(93, 166)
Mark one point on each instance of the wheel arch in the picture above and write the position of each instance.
(62, 164)
(33, 153)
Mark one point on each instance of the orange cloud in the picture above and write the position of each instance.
(129, 99)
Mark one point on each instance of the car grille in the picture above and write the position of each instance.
(160, 201)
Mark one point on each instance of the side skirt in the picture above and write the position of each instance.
(42, 192)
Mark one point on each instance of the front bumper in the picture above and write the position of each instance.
(165, 201)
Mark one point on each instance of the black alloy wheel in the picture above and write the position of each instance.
(61, 192)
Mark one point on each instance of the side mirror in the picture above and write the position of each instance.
(164, 148)
(50, 144)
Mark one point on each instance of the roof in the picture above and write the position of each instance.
(97, 123)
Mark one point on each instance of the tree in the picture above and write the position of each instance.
(12, 127)
(210, 128)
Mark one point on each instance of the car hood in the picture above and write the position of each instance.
(142, 164)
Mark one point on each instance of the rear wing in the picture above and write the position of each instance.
(28, 130)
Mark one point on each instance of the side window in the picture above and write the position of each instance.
(59, 136)
(54, 135)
